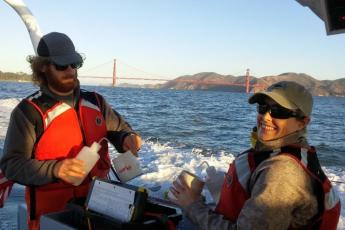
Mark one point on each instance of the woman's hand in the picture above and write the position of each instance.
(132, 142)
(184, 195)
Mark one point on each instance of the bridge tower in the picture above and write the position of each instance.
(247, 80)
(114, 74)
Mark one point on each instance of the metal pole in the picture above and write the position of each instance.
(28, 19)
(114, 73)
(247, 81)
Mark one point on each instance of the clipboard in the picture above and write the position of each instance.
(122, 202)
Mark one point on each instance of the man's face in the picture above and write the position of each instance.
(61, 81)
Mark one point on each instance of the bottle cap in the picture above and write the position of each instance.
(95, 147)
(141, 189)
(211, 170)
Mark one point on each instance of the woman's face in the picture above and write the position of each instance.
(270, 128)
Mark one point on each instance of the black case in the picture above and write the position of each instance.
(150, 214)
(75, 216)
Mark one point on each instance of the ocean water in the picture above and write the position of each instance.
(182, 129)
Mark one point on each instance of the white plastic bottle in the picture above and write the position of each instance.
(90, 156)
(214, 182)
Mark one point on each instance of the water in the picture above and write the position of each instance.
(181, 129)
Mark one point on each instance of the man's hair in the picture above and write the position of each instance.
(36, 64)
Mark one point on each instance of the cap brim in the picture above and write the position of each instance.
(259, 97)
(67, 59)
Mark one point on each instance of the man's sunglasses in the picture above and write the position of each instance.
(276, 111)
(64, 67)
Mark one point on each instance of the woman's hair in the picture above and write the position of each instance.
(36, 64)
(300, 115)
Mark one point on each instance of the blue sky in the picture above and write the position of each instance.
(170, 38)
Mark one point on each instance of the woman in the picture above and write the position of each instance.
(279, 183)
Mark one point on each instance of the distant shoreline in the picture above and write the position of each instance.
(15, 77)
(225, 83)
(19, 81)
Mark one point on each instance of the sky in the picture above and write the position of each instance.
(170, 38)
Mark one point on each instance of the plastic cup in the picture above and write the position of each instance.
(195, 183)
(127, 166)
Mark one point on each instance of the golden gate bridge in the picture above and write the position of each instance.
(246, 84)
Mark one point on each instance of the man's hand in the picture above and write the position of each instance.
(68, 168)
(133, 143)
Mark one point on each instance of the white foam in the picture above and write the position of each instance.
(6, 107)
(162, 163)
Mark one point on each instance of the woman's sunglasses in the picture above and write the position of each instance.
(276, 111)
(64, 67)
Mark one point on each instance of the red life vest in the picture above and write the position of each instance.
(235, 187)
(65, 130)
(5, 188)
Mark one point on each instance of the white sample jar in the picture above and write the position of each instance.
(90, 157)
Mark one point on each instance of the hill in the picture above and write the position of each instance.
(8, 76)
(217, 82)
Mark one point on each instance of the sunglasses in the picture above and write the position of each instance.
(276, 111)
(64, 67)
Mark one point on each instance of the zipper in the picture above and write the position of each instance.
(77, 110)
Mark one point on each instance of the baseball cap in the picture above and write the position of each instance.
(288, 94)
(59, 48)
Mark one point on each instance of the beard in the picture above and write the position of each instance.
(64, 84)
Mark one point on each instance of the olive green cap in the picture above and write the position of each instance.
(288, 94)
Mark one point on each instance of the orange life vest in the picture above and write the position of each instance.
(235, 190)
(64, 131)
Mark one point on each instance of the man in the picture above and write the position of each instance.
(49, 128)
(278, 184)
